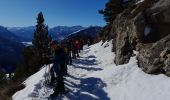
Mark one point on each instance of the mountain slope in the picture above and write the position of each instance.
(10, 54)
(25, 33)
(94, 76)
(5, 33)
(10, 50)
(87, 32)
(60, 32)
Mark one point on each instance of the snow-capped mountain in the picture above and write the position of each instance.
(90, 32)
(58, 32)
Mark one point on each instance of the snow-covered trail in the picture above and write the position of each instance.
(79, 85)
(94, 76)
(83, 86)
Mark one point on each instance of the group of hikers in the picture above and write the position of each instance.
(63, 53)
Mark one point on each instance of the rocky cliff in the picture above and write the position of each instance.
(145, 27)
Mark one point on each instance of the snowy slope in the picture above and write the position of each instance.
(94, 76)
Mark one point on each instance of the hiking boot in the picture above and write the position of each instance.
(55, 94)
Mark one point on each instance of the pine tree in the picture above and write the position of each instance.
(41, 40)
(112, 8)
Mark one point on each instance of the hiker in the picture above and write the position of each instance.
(59, 60)
(65, 60)
(81, 44)
(69, 48)
(77, 46)
(73, 49)
(88, 42)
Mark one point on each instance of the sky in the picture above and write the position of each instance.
(21, 13)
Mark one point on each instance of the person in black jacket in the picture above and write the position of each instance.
(58, 68)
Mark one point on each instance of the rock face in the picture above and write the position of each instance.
(145, 28)
(154, 59)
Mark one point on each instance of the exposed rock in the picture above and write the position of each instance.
(164, 52)
(158, 18)
(167, 66)
(152, 60)
(147, 30)
(140, 8)
(127, 35)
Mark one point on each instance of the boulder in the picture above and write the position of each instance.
(152, 59)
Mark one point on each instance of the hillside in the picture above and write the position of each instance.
(10, 50)
(94, 76)
(61, 32)
(5, 33)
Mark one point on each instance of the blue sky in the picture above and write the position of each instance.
(17, 13)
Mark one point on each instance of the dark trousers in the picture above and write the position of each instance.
(69, 58)
(60, 88)
(52, 75)
(64, 68)
(74, 54)
(77, 53)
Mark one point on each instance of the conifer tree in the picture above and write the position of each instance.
(41, 40)
(112, 8)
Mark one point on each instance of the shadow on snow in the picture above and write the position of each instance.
(86, 64)
(88, 89)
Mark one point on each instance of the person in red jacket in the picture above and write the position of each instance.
(77, 45)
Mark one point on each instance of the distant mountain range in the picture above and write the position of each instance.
(58, 32)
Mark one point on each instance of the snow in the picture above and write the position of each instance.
(147, 30)
(32, 84)
(75, 32)
(94, 76)
(27, 43)
(139, 1)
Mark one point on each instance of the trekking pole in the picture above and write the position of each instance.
(45, 90)
(46, 78)
(47, 74)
